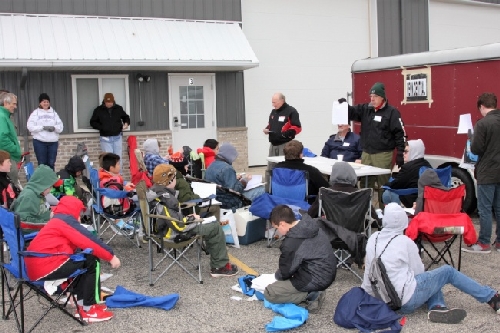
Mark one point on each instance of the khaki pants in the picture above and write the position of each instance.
(379, 160)
(281, 292)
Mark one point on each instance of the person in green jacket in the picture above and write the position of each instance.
(8, 133)
(31, 204)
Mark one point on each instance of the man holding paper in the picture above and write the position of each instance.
(486, 144)
(382, 131)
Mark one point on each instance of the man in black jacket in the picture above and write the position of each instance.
(486, 145)
(307, 265)
(283, 125)
(382, 131)
(294, 160)
(110, 120)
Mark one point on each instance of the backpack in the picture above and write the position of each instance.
(382, 286)
(115, 206)
(357, 309)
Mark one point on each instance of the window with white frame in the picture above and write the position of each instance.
(88, 93)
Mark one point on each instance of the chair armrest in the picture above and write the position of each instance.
(173, 220)
(453, 230)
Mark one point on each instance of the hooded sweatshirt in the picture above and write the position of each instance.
(40, 118)
(152, 156)
(68, 176)
(63, 234)
(307, 258)
(428, 178)
(408, 176)
(209, 155)
(31, 204)
(401, 258)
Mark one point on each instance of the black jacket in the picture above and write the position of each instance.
(109, 122)
(316, 179)
(307, 258)
(379, 136)
(486, 144)
(284, 125)
(407, 177)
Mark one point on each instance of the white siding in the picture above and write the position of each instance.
(305, 50)
(455, 24)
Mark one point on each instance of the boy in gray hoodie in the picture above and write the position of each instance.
(413, 285)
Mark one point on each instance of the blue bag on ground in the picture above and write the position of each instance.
(357, 309)
(293, 316)
(123, 298)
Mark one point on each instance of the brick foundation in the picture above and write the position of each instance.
(67, 146)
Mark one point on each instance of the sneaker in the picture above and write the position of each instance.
(315, 301)
(497, 246)
(494, 302)
(228, 270)
(441, 314)
(94, 314)
(477, 248)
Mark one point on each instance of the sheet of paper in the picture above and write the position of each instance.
(254, 182)
(340, 113)
(204, 190)
(410, 211)
(464, 124)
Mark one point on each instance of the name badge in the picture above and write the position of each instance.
(377, 118)
(346, 144)
(281, 118)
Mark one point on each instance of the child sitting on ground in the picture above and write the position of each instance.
(68, 175)
(31, 204)
(109, 177)
(166, 203)
(8, 190)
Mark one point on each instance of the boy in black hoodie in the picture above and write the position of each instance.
(8, 190)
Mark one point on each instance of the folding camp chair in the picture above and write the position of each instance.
(440, 223)
(289, 184)
(171, 251)
(127, 225)
(17, 287)
(351, 211)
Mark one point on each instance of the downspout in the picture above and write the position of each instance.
(22, 85)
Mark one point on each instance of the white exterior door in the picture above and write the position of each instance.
(192, 109)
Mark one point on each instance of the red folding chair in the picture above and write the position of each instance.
(440, 224)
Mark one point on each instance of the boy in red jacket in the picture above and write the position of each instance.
(64, 234)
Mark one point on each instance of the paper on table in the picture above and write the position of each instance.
(204, 190)
(254, 182)
(464, 124)
(340, 113)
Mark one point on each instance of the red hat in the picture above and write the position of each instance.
(70, 205)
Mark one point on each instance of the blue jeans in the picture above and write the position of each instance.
(430, 283)
(254, 193)
(46, 152)
(112, 144)
(389, 196)
(488, 198)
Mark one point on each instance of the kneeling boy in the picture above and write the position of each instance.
(307, 265)
(167, 204)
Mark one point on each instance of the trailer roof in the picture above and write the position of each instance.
(465, 54)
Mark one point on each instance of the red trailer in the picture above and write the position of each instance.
(431, 90)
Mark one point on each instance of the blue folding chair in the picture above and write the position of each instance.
(289, 187)
(127, 225)
(444, 174)
(29, 169)
(14, 277)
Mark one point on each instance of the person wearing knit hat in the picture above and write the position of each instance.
(45, 125)
(382, 132)
(221, 172)
(110, 120)
(64, 234)
(68, 176)
(167, 204)
(414, 285)
(152, 156)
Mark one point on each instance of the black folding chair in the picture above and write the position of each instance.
(351, 211)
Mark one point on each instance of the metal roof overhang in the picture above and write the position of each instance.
(465, 54)
(56, 42)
